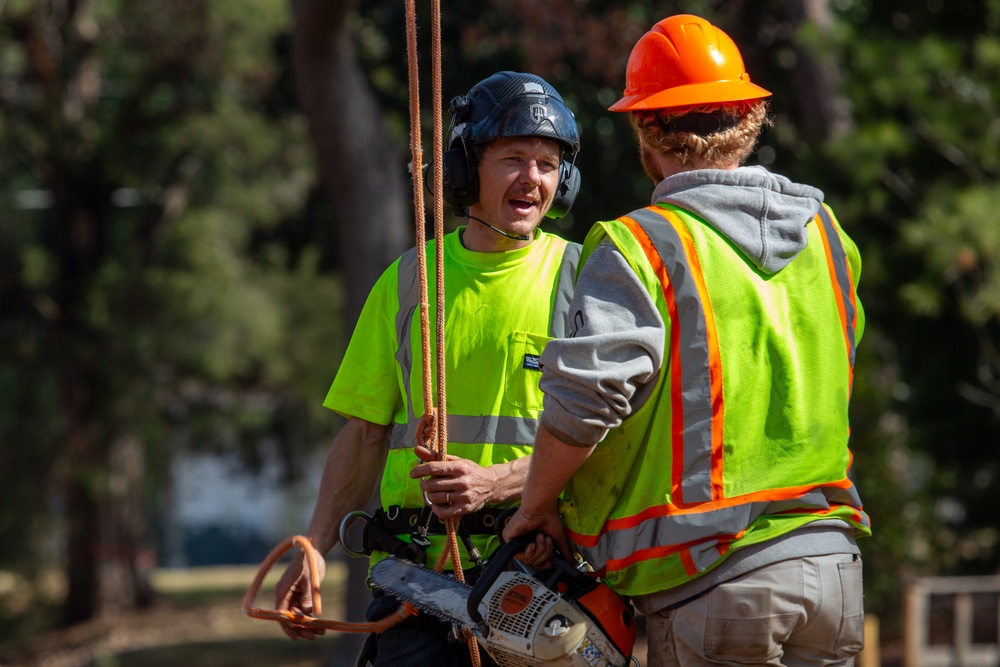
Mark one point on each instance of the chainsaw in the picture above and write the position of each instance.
(561, 617)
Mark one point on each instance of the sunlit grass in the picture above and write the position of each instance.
(197, 621)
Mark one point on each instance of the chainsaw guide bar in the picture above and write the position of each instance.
(429, 591)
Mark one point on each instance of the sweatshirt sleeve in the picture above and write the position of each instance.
(608, 366)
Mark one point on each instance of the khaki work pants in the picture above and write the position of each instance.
(796, 613)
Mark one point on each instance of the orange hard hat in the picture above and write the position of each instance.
(684, 60)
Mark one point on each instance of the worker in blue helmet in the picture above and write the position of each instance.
(508, 164)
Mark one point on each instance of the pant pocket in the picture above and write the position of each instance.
(742, 627)
(851, 638)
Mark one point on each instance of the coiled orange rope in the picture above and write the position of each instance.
(314, 622)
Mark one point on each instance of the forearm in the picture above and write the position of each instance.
(352, 469)
(509, 479)
(553, 463)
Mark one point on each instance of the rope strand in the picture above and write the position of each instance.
(416, 168)
(442, 416)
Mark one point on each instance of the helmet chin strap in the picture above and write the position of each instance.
(522, 237)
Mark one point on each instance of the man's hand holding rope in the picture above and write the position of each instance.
(294, 592)
(455, 486)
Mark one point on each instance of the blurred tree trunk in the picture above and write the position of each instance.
(102, 473)
(823, 110)
(103, 470)
(362, 169)
(361, 164)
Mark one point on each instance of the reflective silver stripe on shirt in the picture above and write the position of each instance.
(841, 270)
(476, 430)
(696, 381)
(408, 291)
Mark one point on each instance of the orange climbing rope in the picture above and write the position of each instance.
(438, 414)
(314, 622)
(441, 415)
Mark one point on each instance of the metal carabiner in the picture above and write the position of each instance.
(345, 525)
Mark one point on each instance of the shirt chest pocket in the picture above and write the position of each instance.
(523, 370)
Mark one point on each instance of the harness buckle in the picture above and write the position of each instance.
(345, 524)
(420, 543)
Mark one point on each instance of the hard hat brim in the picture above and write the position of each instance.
(715, 92)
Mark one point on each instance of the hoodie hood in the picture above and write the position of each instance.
(763, 214)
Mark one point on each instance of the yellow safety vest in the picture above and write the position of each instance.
(745, 435)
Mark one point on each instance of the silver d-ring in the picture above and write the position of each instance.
(345, 524)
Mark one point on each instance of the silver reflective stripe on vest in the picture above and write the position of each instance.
(479, 429)
(696, 381)
(706, 527)
(840, 266)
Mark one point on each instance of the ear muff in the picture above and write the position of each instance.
(461, 178)
(566, 192)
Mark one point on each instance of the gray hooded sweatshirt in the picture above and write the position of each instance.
(608, 367)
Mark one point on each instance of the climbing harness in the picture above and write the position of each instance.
(433, 432)
(381, 531)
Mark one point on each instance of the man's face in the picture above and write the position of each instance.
(518, 177)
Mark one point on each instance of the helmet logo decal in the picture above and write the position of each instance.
(538, 112)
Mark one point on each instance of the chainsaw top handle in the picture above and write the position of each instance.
(562, 570)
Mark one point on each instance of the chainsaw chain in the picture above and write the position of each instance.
(424, 608)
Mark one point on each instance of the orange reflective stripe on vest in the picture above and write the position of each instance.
(840, 275)
(696, 368)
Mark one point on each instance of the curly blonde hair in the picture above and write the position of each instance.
(691, 149)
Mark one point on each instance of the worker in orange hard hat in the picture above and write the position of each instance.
(693, 445)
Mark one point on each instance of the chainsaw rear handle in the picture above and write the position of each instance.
(498, 564)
